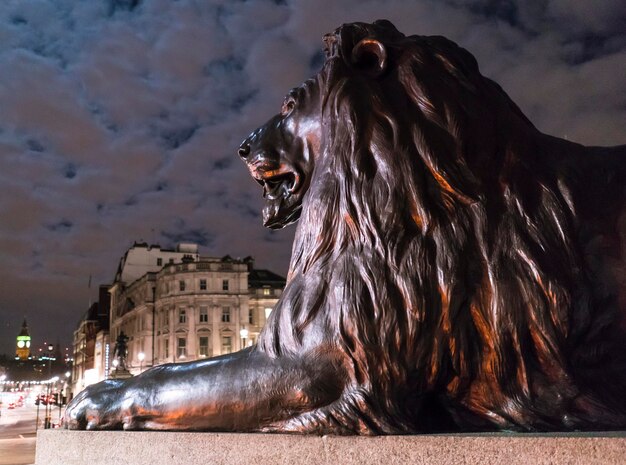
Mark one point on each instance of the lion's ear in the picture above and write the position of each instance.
(370, 56)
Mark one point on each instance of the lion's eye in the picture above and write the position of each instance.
(288, 107)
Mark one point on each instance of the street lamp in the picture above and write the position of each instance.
(141, 356)
(48, 408)
(244, 334)
(50, 349)
(48, 411)
(63, 396)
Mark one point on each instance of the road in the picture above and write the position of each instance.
(17, 433)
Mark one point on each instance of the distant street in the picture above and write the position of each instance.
(17, 432)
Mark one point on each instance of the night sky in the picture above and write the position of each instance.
(120, 120)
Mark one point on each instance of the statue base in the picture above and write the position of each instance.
(120, 373)
(61, 447)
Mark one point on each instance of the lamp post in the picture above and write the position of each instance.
(62, 397)
(244, 334)
(141, 356)
(47, 406)
(50, 349)
(38, 404)
(48, 411)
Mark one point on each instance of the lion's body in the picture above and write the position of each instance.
(465, 263)
(453, 268)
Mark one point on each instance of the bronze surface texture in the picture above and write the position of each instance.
(453, 269)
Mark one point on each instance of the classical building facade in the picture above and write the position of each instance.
(175, 306)
(91, 344)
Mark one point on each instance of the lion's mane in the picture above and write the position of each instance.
(440, 247)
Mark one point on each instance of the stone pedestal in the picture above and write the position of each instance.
(120, 373)
(60, 447)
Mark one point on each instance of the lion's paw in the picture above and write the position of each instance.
(97, 407)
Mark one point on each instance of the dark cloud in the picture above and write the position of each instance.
(69, 171)
(120, 119)
(197, 236)
(174, 138)
(34, 145)
(63, 226)
(223, 163)
(122, 5)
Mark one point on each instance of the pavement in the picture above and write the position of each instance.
(17, 433)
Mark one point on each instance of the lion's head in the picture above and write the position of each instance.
(281, 154)
(436, 244)
(391, 83)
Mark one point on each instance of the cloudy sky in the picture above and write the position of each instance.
(120, 119)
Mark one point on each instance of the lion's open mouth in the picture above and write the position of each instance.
(280, 185)
(281, 191)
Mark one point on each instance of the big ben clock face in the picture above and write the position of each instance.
(27, 343)
(20, 344)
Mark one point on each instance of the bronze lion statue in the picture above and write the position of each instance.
(453, 269)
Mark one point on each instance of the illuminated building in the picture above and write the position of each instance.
(91, 340)
(22, 350)
(175, 305)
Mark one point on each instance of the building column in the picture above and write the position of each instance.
(235, 314)
(171, 315)
(244, 316)
(216, 318)
(192, 338)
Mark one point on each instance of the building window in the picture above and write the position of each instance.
(171, 261)
(181, 285)
(181, 348)
(267, 291)
(182, 315)
(225, 314)
(268, 310)
(167, 348)
(203, 284)
(159, 262)
(251, 316)
(224, 284)
(204, 314)
(203, 346)
(227, 345)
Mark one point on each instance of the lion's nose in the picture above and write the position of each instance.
(244, 150)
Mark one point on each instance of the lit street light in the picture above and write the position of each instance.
(63, 396)
(141, 356)
(244, 334)
(48, 411)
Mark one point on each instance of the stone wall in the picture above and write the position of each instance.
(59, 447)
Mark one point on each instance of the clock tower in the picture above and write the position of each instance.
(22, 351)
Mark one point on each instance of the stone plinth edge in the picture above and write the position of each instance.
(60, 447)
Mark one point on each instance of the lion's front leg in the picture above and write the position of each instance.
(243, 391)
(99, 406)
